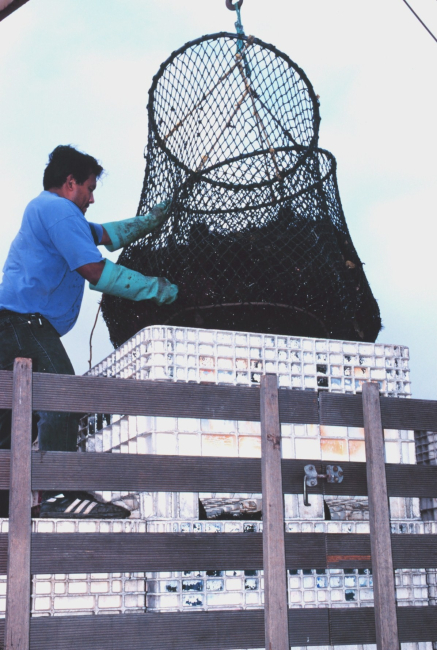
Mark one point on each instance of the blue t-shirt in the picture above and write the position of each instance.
(39, 275)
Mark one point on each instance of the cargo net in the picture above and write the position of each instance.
(256, 239)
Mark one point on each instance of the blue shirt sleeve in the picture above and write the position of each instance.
(97, 232)
(72, 238)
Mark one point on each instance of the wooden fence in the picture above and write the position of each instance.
(277, 627)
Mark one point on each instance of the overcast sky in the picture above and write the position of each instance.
(78, 72)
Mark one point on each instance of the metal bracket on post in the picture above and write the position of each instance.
(334, 474)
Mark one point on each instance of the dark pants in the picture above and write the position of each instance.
(33, 337)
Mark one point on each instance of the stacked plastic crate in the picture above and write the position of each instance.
(238, 358)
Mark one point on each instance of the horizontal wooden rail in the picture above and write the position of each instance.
(115, 552)
(178, 399)
(225, 629)
(102, 395)
(106, 552)
(347, 410)
(148, 472)
(155, 473)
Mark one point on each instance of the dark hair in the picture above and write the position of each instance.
(66, 160)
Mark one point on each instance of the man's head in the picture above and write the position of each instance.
(72, 175)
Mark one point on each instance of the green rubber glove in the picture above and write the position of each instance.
(117, 280)
(128, 231)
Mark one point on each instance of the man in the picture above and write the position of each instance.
(53, 254)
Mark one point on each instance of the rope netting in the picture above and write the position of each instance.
(257, 239)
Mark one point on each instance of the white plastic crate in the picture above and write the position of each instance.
(198, 355)
(231, 588)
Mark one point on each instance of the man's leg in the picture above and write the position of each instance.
(22, 335)
(56, 431)
(9, 349)
(35, 338)
(12, 340)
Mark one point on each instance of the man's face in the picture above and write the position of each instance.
(83, 195)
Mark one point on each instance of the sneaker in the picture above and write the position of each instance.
(78, 505)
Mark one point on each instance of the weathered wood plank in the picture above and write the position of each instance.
(173, 399)
(3, 558)
(197, 631)
(411, 480)
(409, 414)
(18, 592)
(298, 406)
(275, 575)
(82, 553)
(150, 472)
(336, 409)
(387, 637)
(115, 552)
(144, 472)
(6, 384)
(58, 553)
(227, 630)
(346, 410)
(102, 395)
(5, 469)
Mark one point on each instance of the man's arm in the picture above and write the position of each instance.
(118, 234)
(117, 280)
(106, 240)
(94, 270)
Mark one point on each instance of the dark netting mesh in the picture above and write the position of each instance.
(257, 239)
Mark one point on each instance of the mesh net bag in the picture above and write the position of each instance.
(257, 239)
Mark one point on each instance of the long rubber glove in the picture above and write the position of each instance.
(117, 280)
(123, 233)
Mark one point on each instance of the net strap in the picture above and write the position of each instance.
(207, 94)
(262, 131)
(240, 43)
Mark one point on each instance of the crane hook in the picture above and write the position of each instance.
(230, 5)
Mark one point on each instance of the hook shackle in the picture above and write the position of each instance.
(230, 5)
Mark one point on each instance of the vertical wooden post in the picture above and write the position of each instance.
(275, 574)
(386, 625)
(18, 588)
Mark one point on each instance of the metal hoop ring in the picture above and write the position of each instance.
(230, 5)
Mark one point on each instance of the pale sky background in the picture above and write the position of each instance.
(78, 72)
